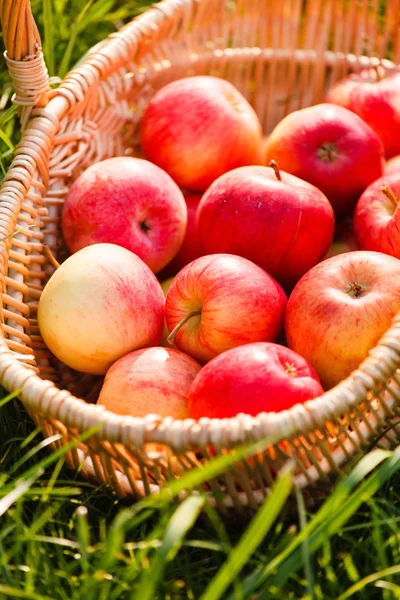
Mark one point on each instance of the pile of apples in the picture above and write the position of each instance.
(273, 293)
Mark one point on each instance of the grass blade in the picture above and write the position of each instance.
(290, 559)
(83, 535)
(360, 585)
(304, 545)
(7, 115)
(4, 137)
(9, 397)
(341, 515)
(11, 592)
(21, 487)
(251, 539)
(181, 522)
(56, 454)
(42, 444)
(66, 59)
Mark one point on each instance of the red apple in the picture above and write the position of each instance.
(344, 240)
(198, 128)
(340, 309)
(330, 147)
(374, 95)
(393, 165)
(377, 216)
(221, 301)
(250, 379)
(101, 303)
(278, 221)
(191, 247)
(150, 380)
(129, 202)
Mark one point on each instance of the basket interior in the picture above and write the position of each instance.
(282, 57)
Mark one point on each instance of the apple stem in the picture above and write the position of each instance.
(274, 165)
(376, 69)
(50, 256)
(356, 290)
(390, 194)
(290, 369)
(327, 152)
(172, 335)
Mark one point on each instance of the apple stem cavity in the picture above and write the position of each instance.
(390, 194)
(327, 152)
(356, 290)
(172, 335)
(290, 369)
(144, 226)
(52, 259)
(274, 165)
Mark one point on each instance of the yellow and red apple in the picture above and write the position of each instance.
(198, 128)
(340, 309)
(101, 303)
(150, 380)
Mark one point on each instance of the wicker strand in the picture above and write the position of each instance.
(31, 84)
(281, 56)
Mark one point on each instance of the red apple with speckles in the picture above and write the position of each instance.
(283, 224)
(377, 216)
(344, 240)
(191, 247)
(374, 95)
(101, 303)
(130, 202)
(330, 147)
(392, 165)
(261, 377)
(340, 309)
(221, 301)
(198, 128)
(150, 380)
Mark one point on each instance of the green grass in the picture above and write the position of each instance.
(64, 538)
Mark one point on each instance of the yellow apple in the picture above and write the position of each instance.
(100, 304)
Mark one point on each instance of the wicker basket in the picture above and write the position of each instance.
(281, 56)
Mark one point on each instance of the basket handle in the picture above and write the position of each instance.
(24, 57)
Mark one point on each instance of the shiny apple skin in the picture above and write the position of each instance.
(260, 377)
(331, 324)
(239, 303)
(285, 226)
(373, 95)
(198, 128)
(377, 217)
(330, 147)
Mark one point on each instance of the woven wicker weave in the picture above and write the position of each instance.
(281, 56)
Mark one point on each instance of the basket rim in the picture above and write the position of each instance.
(44, 398)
